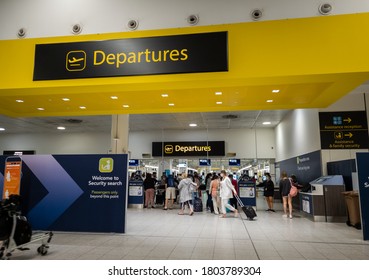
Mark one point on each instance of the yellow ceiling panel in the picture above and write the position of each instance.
(312, 62)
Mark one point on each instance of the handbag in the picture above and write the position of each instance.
(293, 190)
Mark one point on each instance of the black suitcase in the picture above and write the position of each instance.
(197, 207)
(248, 210)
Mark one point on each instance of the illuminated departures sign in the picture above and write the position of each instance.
(343, 130)
(190, 53)
(198, 148)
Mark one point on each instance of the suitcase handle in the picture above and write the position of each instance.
(238, 199)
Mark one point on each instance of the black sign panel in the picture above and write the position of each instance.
(191, 53)
(234, 162)
(188, 149)
(134, 162)
(205, 162)
(343, 130)
(305, 167)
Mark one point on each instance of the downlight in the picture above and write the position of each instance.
(21, 33)
(132, 24)
(193, 19)
(256, 14)
(76, 29)
(325, 9)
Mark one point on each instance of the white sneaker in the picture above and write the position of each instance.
(290, 216)
(284, 215)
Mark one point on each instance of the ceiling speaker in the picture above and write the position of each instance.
(325, 9)
(132, 24)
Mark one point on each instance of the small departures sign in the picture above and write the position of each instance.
(189, 53)
(343, 130)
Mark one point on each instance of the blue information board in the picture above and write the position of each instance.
(135, 192)
(247, 191)
(74, 192)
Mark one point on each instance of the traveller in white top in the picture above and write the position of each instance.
(226, 192)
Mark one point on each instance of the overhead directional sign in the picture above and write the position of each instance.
(343, 130)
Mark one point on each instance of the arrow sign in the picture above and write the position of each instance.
(349, 134)
(63, 190)
(347, 120)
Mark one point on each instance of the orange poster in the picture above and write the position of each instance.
(12, 177)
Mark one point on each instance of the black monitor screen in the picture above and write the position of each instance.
(134, 162)
(235, 162)
(204, 162)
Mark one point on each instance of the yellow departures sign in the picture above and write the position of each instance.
(147, 56)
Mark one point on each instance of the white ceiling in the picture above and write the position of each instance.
(245, 119)
(147, 122)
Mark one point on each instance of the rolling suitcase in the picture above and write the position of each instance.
(197, 207)
(248, 210)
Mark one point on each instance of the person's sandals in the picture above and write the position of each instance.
(236, 213)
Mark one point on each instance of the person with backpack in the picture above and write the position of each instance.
(285, 187)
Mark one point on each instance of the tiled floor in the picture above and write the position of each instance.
(157, 234)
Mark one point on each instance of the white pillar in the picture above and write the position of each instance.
(119, 134)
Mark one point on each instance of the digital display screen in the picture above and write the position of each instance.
(134, 162)
(204, 162)
(234, 162)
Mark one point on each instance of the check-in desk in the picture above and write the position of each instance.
(325, 202)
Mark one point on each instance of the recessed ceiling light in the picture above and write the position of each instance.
(270, 101)
(61, 127)
(275, 90)
(114, 97)
(41, 109)
(193, 124)
(171, 104)
(219, 102)
(265, 123)
(65, 99)
(125, 106)
(19, 101)
(164, 95)
(2, 129)
(218, 93)
(82, 107)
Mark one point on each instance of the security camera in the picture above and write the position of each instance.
(21, 33)
(325, 9)
(132, 24)
(256, 14)
(193, 19)
(76, 29)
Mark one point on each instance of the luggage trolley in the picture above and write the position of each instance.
(16, 232)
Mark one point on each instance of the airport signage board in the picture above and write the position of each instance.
(70, 192)
(188, 53)
(188, 149)
(133, 162)
(343, 130)
(205, 162)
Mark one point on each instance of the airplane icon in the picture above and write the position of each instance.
(76, 61)
(168, 149)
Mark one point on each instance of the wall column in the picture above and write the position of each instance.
(119, 134)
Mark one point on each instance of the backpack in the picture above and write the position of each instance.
(293, 191)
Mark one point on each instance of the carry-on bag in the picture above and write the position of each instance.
(197, 207)
(248, 210)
